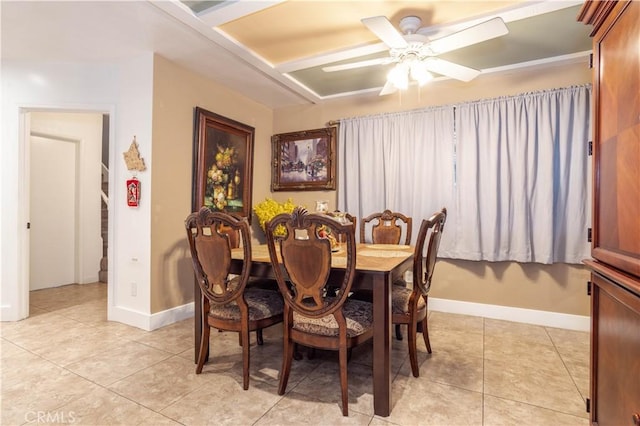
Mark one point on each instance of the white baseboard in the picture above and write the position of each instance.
(179, 313)
(129, 317)
(150, 322)
(90, 280)
(9, 313)
(508, 313)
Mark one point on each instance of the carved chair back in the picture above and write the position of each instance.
(386, 228)
(305, 257)
(211, 237)
(426, 251)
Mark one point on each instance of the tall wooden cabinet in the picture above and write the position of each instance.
(615, 278)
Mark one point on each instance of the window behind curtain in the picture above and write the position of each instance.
(401, 162)
(522, 177)
(512, 172)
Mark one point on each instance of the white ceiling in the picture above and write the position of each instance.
(270, 51)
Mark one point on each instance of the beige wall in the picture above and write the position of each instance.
(556, 288)
(176, 93)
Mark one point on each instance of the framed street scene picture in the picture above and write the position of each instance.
(304, 161)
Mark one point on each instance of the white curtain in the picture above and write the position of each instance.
(402, 162)
(522, 177)
(513, 173)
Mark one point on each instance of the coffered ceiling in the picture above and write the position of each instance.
(275, 51)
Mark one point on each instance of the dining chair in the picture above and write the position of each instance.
(312, 317)
(409, 305)
(385, 227)
(266, 283)
(344, 217)
(227, 302)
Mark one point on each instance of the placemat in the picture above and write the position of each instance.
(387, 246)
(382, 253)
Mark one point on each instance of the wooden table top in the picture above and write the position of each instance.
(369, 257)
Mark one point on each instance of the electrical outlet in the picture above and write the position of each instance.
(134, 289)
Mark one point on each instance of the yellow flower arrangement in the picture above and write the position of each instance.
(270, 208)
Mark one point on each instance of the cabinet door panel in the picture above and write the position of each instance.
(617, 139)
(615, 353)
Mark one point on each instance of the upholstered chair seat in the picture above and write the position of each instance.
(262, 304)
(358, 314)
(400, 301)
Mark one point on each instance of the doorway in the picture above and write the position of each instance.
(64, 170)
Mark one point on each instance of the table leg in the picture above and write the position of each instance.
(382, 345)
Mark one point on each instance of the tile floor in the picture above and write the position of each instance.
(67, 364)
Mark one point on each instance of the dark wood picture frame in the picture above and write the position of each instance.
(304, 161)
(222, 164)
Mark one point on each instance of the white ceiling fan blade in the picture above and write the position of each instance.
(478, 33)
(388, 89)
(380, 26)
(352, 65)
(449, 69)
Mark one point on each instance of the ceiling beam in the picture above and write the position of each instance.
(227, 11)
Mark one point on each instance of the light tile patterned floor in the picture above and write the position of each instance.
(67, 364)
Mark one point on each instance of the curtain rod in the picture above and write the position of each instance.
(333, 123)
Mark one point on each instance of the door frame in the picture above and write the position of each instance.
(24, 134)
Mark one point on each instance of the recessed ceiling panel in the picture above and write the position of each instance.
(297, 29)
(536, 38)
(555, 34)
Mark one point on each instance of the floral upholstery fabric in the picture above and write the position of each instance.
(262, 304)
(400, 302)
(400, 282)
(359, 316)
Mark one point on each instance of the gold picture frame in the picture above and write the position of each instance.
(304, 161)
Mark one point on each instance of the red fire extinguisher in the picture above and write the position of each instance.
(133, 192)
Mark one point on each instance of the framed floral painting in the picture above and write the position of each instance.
(304, 161)
(222, 164)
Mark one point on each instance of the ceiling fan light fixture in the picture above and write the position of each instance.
(416, 69)
(415, 52)
(399, 76)
(420, 73)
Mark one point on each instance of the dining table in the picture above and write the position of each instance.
(377, 267)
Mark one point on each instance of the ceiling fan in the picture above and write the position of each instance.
(415, 55)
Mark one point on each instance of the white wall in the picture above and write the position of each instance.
(122, 90)
(131, 251)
